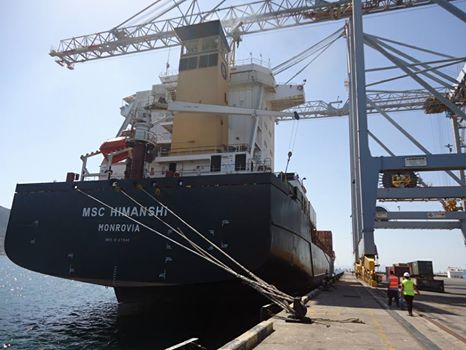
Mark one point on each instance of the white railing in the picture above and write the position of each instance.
(253, 60)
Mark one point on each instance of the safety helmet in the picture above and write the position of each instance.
(406, 274)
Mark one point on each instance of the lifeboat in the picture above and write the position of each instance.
(114, 145)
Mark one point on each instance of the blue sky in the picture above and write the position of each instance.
(51, 115)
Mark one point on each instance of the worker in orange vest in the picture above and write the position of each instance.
(392, 291)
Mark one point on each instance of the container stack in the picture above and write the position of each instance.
(399, 269)
(423, 272)
(421, 269)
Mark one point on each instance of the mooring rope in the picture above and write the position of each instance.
(244, 279)
(250, 273)
(270, 291)
(264, 286)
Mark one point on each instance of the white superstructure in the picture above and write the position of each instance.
(455, 272)
(250, 145)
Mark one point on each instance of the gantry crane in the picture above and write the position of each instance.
(157, 32)
(237, 20)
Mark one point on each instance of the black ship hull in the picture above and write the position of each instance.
(56, 229)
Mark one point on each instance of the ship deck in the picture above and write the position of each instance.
(351, 315)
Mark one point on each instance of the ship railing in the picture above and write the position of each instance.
(253, 60)
(105, 166)
(85, 173)
(91, 177)
(174, 150)
(229, 169)
(190, 172)
(169, 74)
(255, 167)
(262, 166)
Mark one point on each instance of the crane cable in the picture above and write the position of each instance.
(135, 15)
(269, 291)
(301, 56)
(318, 49)
(294, 132)
(311, 61)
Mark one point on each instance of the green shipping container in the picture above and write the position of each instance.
(422, 268)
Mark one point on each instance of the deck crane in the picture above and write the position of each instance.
(259, 16)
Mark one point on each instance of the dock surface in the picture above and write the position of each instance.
(350, 315)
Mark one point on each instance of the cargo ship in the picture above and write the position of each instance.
(211, 166)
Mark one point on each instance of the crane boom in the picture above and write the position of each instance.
(237, 20)
(388, 101)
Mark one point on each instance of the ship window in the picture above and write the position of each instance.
(209, 44)
(240, 162)
(172, 167)
(188, 63)
(190, 47)
(208, 60)
(294, 193)
(183, 64)
(204, 61)
(215, 163)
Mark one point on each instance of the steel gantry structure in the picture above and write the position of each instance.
(155, 30)
(398, 170)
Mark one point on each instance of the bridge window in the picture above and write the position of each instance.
(215, 163)
(240, 162)
(210, 44)
(188, 63)
(208, 60)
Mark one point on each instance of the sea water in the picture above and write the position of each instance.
(44, 312)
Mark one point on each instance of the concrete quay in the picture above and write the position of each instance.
(351, 315)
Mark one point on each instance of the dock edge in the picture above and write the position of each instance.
(249, 339)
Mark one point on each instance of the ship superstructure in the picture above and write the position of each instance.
(190, 143)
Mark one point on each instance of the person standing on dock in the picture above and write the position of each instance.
(407, 288)
(392, 292)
